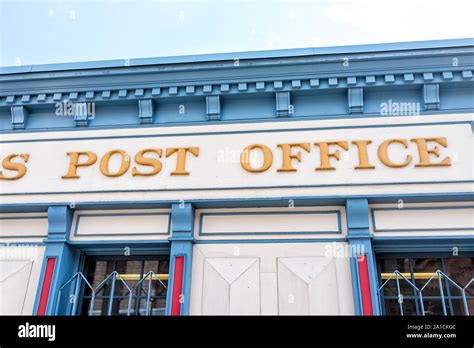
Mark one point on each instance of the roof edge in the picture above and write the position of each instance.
(201, 58)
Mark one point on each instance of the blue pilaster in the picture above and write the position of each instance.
(360, 241)
(182, 240)
(59, 226)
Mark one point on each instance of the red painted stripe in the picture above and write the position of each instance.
(177, 285)
(364, 285)
(48, 277)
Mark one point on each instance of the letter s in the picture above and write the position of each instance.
(18, 167)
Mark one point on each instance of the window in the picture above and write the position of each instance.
(421, 289)
(125, 286)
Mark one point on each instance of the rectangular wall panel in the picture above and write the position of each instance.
(270, 223)
(23, 227)
(457, 219)
(121, 224)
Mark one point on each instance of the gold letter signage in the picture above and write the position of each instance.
(326, 156)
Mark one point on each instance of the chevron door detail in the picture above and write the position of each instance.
(231, 286)
(14, 280)
(307, 285)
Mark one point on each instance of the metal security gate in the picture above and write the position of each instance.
(438, 276)
(142, 289)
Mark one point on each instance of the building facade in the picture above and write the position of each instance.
(307, 181)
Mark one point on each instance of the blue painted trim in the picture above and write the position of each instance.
(419, 229)
(250, 241)
(285, 130)
(22, 236)
(79, 215)
(327, 212)
(231, 122)
(106, 243)
(464, 243)
(281, 201)
(23, 218)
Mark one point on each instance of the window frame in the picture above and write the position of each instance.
(116, 258)
(106, 249)
(379, 256)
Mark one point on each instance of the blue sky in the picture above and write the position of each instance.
(40, 32)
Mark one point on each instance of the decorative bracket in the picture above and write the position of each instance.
(213, 107)
(80, 118)
(145, 110)
(431, 96)
(356, 100)
(283, 105)
(19, 116)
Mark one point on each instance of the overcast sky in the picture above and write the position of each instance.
(39, 32)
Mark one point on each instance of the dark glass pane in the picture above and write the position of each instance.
(392, 307)
(388, 266)
(458, 307)
(428, 266)
(163, 267)
(150, 266)
(98, 307)
(460, 270)
(98, 271)
(434, 307)
(470, 306)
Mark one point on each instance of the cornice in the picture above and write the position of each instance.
(418, 66)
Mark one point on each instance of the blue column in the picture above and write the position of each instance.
(57, 247)
(182, 240)
(360, 241)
